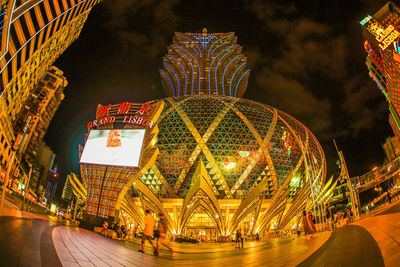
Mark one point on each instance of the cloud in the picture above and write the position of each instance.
(291, 96)
(309, 75)
(126, 20)
(359, 102)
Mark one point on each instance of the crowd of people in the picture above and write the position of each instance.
(159, 232)
(151, 231)
(156, 234)
(119, 229)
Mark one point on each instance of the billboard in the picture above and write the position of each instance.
(118, 147)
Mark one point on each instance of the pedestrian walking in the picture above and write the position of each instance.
(163, 231)
(148, 232)
(308, 224)
(241, 240)
(257, 237)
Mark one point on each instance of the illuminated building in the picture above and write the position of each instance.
(39, 110)
(211, 162)
(382, 32)
(32, 36)
(40, 170)
(202, 63)
(67, 192)
(52, 179)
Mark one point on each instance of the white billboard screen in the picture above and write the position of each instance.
(113, 147)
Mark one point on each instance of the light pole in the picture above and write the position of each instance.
(345, 173)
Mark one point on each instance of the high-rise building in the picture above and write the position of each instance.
(382, 32)
(35, 33)
(52, 180)
(41, 169)
(205, 63)
(32, 36)
(37, 113)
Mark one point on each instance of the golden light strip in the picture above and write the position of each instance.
(263, 150)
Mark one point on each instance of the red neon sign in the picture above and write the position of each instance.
(114, 113)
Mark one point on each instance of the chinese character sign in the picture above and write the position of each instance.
(144, 110)
(123, 108)
(103, 111)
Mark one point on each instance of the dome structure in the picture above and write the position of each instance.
(240, 142)
(211, 162)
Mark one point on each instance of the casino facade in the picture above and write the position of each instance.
(211, 162)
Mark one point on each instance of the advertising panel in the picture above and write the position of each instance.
(118, 147)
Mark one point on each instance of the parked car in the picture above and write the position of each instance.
(186, 239)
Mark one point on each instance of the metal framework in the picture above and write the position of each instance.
(213, 149)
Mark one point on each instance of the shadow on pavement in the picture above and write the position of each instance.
(350, 245)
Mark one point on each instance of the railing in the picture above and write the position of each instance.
(376, 176)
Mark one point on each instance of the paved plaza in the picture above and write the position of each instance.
(35, 240)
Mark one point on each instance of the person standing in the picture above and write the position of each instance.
(104, 229)
(124, 232)
(163, 231)
(308, 225)
(148, 232)
(238, 237)
(118, 230)
(328, 216)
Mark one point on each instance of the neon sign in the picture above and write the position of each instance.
(385, 37)
(389, 39)
(365, 20)
(367, 47)
(138, 120)
(126, 112)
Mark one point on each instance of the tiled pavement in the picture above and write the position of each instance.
(80, 247)
(385, 229)
(372, 241)
(34, 240)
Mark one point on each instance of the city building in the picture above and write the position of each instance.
(382, 32)
(67, 192)
(36, 115)
(32, 36)
(203, 63)
(211, 162)
(391, 148)
(41, 170)
(51, 182)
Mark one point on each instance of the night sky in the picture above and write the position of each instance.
(306, 58)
